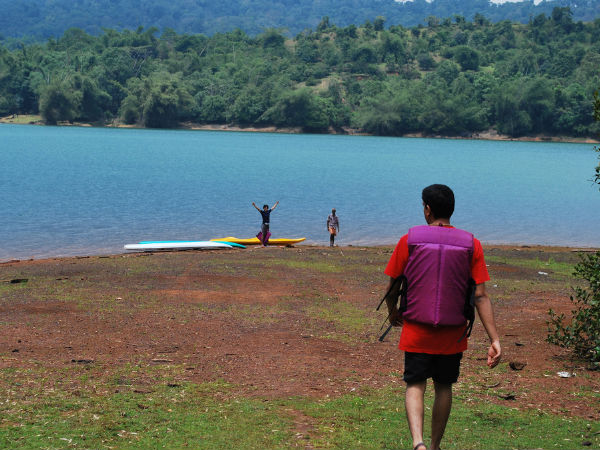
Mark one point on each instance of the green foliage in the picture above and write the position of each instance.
(58, 103)
(453, 77)
(582, 334)
(299, 109)
(466, 57)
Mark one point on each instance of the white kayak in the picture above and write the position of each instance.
(181, 245)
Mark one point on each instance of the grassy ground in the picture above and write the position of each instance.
(205, 416)
(21, 119)
(111, 394)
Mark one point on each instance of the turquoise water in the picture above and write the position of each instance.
(76, 191)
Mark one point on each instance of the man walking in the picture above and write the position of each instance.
(333, 226)
(439, 263)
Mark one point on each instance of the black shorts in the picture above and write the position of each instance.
(421, 366)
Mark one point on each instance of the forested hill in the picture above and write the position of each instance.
(452, 77)
(50, 18)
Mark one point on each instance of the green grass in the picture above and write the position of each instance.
(556, 268)
(375, 420)
(349, 321)
(22, 119)
(211, 416)
(318, 266)
(188, 416)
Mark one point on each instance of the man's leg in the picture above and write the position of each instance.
(441, 412)
(331, 239)
(415, 409)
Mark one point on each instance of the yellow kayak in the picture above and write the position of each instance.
(255, 241)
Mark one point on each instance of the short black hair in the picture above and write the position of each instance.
(265, 206)
(440, 199)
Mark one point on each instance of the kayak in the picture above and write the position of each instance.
(231, 244)
(181, 245)
(255, 241)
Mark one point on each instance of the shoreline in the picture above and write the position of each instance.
(490, 135)
(486, 247)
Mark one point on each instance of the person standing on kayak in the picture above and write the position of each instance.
(264, 234)
(333, 226)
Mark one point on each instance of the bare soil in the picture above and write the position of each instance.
(274, 322)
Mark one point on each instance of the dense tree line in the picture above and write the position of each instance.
(50, 18)
(451, 77)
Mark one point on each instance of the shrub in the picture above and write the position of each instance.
(582, 335)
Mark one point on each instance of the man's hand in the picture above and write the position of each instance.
(494, 354)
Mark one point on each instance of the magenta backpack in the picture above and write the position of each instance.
(439, 287)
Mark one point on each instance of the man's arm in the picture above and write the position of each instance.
(257, 208)
(275, 205)
(486, 315)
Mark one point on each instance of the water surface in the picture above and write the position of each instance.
(75, 191)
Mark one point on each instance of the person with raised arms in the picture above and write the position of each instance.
(264, 234)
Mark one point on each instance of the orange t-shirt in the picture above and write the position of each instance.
(422, 338)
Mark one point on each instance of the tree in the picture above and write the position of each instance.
(378, 23)
(323, 24)
(58, 103)
(448, 70)
(159, 101)
(426, 62)
(94, 101)
(467, 57)
(389, 115)
(298, 109)
(248, 107)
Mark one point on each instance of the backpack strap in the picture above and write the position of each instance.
(403, 293)
(402, 288)
(469, 310)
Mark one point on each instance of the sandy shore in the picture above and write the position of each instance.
(539, 249)
(490, 135)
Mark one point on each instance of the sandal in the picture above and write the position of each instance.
(420, 444)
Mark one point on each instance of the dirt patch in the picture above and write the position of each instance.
(274, 323)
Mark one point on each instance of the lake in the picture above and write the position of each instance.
(84, 191)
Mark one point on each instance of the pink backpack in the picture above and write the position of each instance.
(439, 288)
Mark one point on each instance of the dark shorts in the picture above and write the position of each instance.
(441, 368)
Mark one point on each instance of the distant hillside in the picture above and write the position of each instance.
(452, 78)
(41, 19)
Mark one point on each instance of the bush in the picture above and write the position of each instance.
(582, 335)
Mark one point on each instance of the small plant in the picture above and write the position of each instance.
(582, 335)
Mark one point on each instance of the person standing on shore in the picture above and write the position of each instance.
(440, 264)
(333, 226)
(266, 218)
